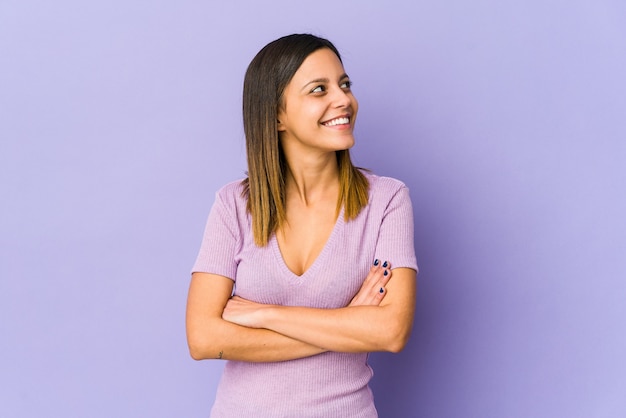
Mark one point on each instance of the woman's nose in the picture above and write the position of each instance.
(341, 98)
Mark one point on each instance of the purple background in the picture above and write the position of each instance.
(507, 120)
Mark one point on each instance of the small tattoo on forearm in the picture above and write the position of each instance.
(219, 356)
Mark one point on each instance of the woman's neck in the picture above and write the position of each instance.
(314, 180)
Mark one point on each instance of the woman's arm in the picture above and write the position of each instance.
(211, 337)
(376, 327)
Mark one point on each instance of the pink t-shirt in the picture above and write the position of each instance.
(331, 384)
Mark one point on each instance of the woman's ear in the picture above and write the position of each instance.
(280, 126)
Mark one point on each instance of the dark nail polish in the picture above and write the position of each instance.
(385, 273)
(376, 262)
(381, 290)
(385, 264)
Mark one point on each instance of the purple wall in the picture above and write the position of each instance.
(120, 119)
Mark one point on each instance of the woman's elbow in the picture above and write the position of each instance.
(196, 353)
(204, 338)
(199, 347)
(397, 345)
(195, 349)
(397, 338)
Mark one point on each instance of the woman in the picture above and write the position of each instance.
(288, 286)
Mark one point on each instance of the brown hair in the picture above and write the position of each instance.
(266, 78)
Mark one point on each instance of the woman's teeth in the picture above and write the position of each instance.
(338, 121)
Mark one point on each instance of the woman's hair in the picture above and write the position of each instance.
(266, 78)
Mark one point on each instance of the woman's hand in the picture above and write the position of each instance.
(243, 312)
(372, 290)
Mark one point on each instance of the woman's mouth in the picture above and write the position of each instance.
(341, 120)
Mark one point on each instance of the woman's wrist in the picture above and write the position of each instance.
(267, 316)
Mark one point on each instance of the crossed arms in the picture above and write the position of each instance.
(223, 327)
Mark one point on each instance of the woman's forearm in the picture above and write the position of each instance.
(209, 336)
(236, 329)
(351, 329)
(224, 340)
(384, 327)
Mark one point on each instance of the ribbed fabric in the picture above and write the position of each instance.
(330, 384)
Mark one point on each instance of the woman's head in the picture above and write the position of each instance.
(267, 77)
(269, 74)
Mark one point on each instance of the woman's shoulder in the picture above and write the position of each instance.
(232, 193)
(233, 187)
(382, 184)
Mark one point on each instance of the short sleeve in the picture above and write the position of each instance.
(396, 236)
(220, 241)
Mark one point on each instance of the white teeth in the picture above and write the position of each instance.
(338, 121)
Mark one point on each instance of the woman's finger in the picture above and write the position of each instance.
(372, 290)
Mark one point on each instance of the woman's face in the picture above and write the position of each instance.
(318, 110)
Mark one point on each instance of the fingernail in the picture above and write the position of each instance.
(376, 262)
(385, 273)
(381, 290)
(385, 264)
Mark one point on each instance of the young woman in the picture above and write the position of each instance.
(308, 264)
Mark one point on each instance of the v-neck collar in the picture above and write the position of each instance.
(321, 258)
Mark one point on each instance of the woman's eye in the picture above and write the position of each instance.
(318, 89)
(346, 84)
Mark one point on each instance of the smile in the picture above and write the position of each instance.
(342, 120)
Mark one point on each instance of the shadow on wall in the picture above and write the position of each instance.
(399, 383)
(415, 379)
